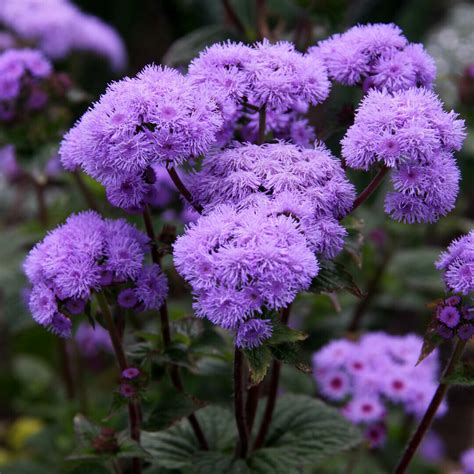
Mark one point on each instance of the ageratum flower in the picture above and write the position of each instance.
(23, 76)
(364, 376)
(264, 74)
(376, 56)
(57, 27)
(239, 263)
(457, 262)
(86, 254)
(158, 117)
(409, 132)
(308, 184)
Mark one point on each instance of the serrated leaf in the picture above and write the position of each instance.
(176, 447)
(332, 277)
(171, 407)
(303, 432)
(259, 360)
(282, 333)
(463, 374)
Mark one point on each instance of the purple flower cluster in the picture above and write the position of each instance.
(376, 56)
(157, 117)
(455, 318)
(264, 74)
(457, 262)
(22, 76)
(363, 377)
(92, 340)
(274, 76)
(308, 184)
(239, 263)
(409, 132)
(57, 27)
(86, 254)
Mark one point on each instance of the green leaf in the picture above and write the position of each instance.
(354, 241)
(431, 340)
(176, 447)
(289, 353)
(282, 333)
(303, 432)
(332, 277)
(259, 360)
(188, 46)
(171, 407)
(463, 374)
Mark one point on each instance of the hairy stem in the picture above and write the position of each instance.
(133, 407)
(370, 188)
(272, 392)
(239, 411)
(85, 191)
(184, 190)
(251, 406)
(430, 413)
(166, 332)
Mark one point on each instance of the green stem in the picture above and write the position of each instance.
(430, 413)
(133, 407)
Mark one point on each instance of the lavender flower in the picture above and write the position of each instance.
(253, 332)
(57, 27)
(130, 373)
(376, 56)
(308, 184)
(68, 265)
(365, 375)
(407, 127)
(158, 117)
(457, 262)
(264, 74)
(92, 340)
(240, 262)
(467, 461)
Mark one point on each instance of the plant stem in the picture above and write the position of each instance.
(240, 416)
(166, 332)
(232, 16)
(133, 407)
(371, 291)
(251, 406)
(43, 216)
(262, 119)
(85, 191)
(427, 419)
(370, 188)
(65, 362)
(272, 392)
(262, 26)
(183, 190)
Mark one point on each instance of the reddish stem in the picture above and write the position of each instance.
(183, 190)
(370, 188)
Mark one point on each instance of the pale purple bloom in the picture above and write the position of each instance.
(151, 287)
(156, 118)
(77, 258)
(58, 27)
(253, 333)
(9, 166)
(367, 374)
(240, 262)
(432, 448)
(449, 316)
(376, 434)
(61, 326)
(376, 55)
(308, 184)
(458, 264)
(127, 390)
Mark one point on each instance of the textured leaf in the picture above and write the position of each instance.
(289, 353)
(176, 447)
(171, 407)
(259, 360)
(303, 432)
(332, 277)
(463, 374)
(282, 333)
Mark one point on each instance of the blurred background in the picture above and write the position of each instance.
(391, 263)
